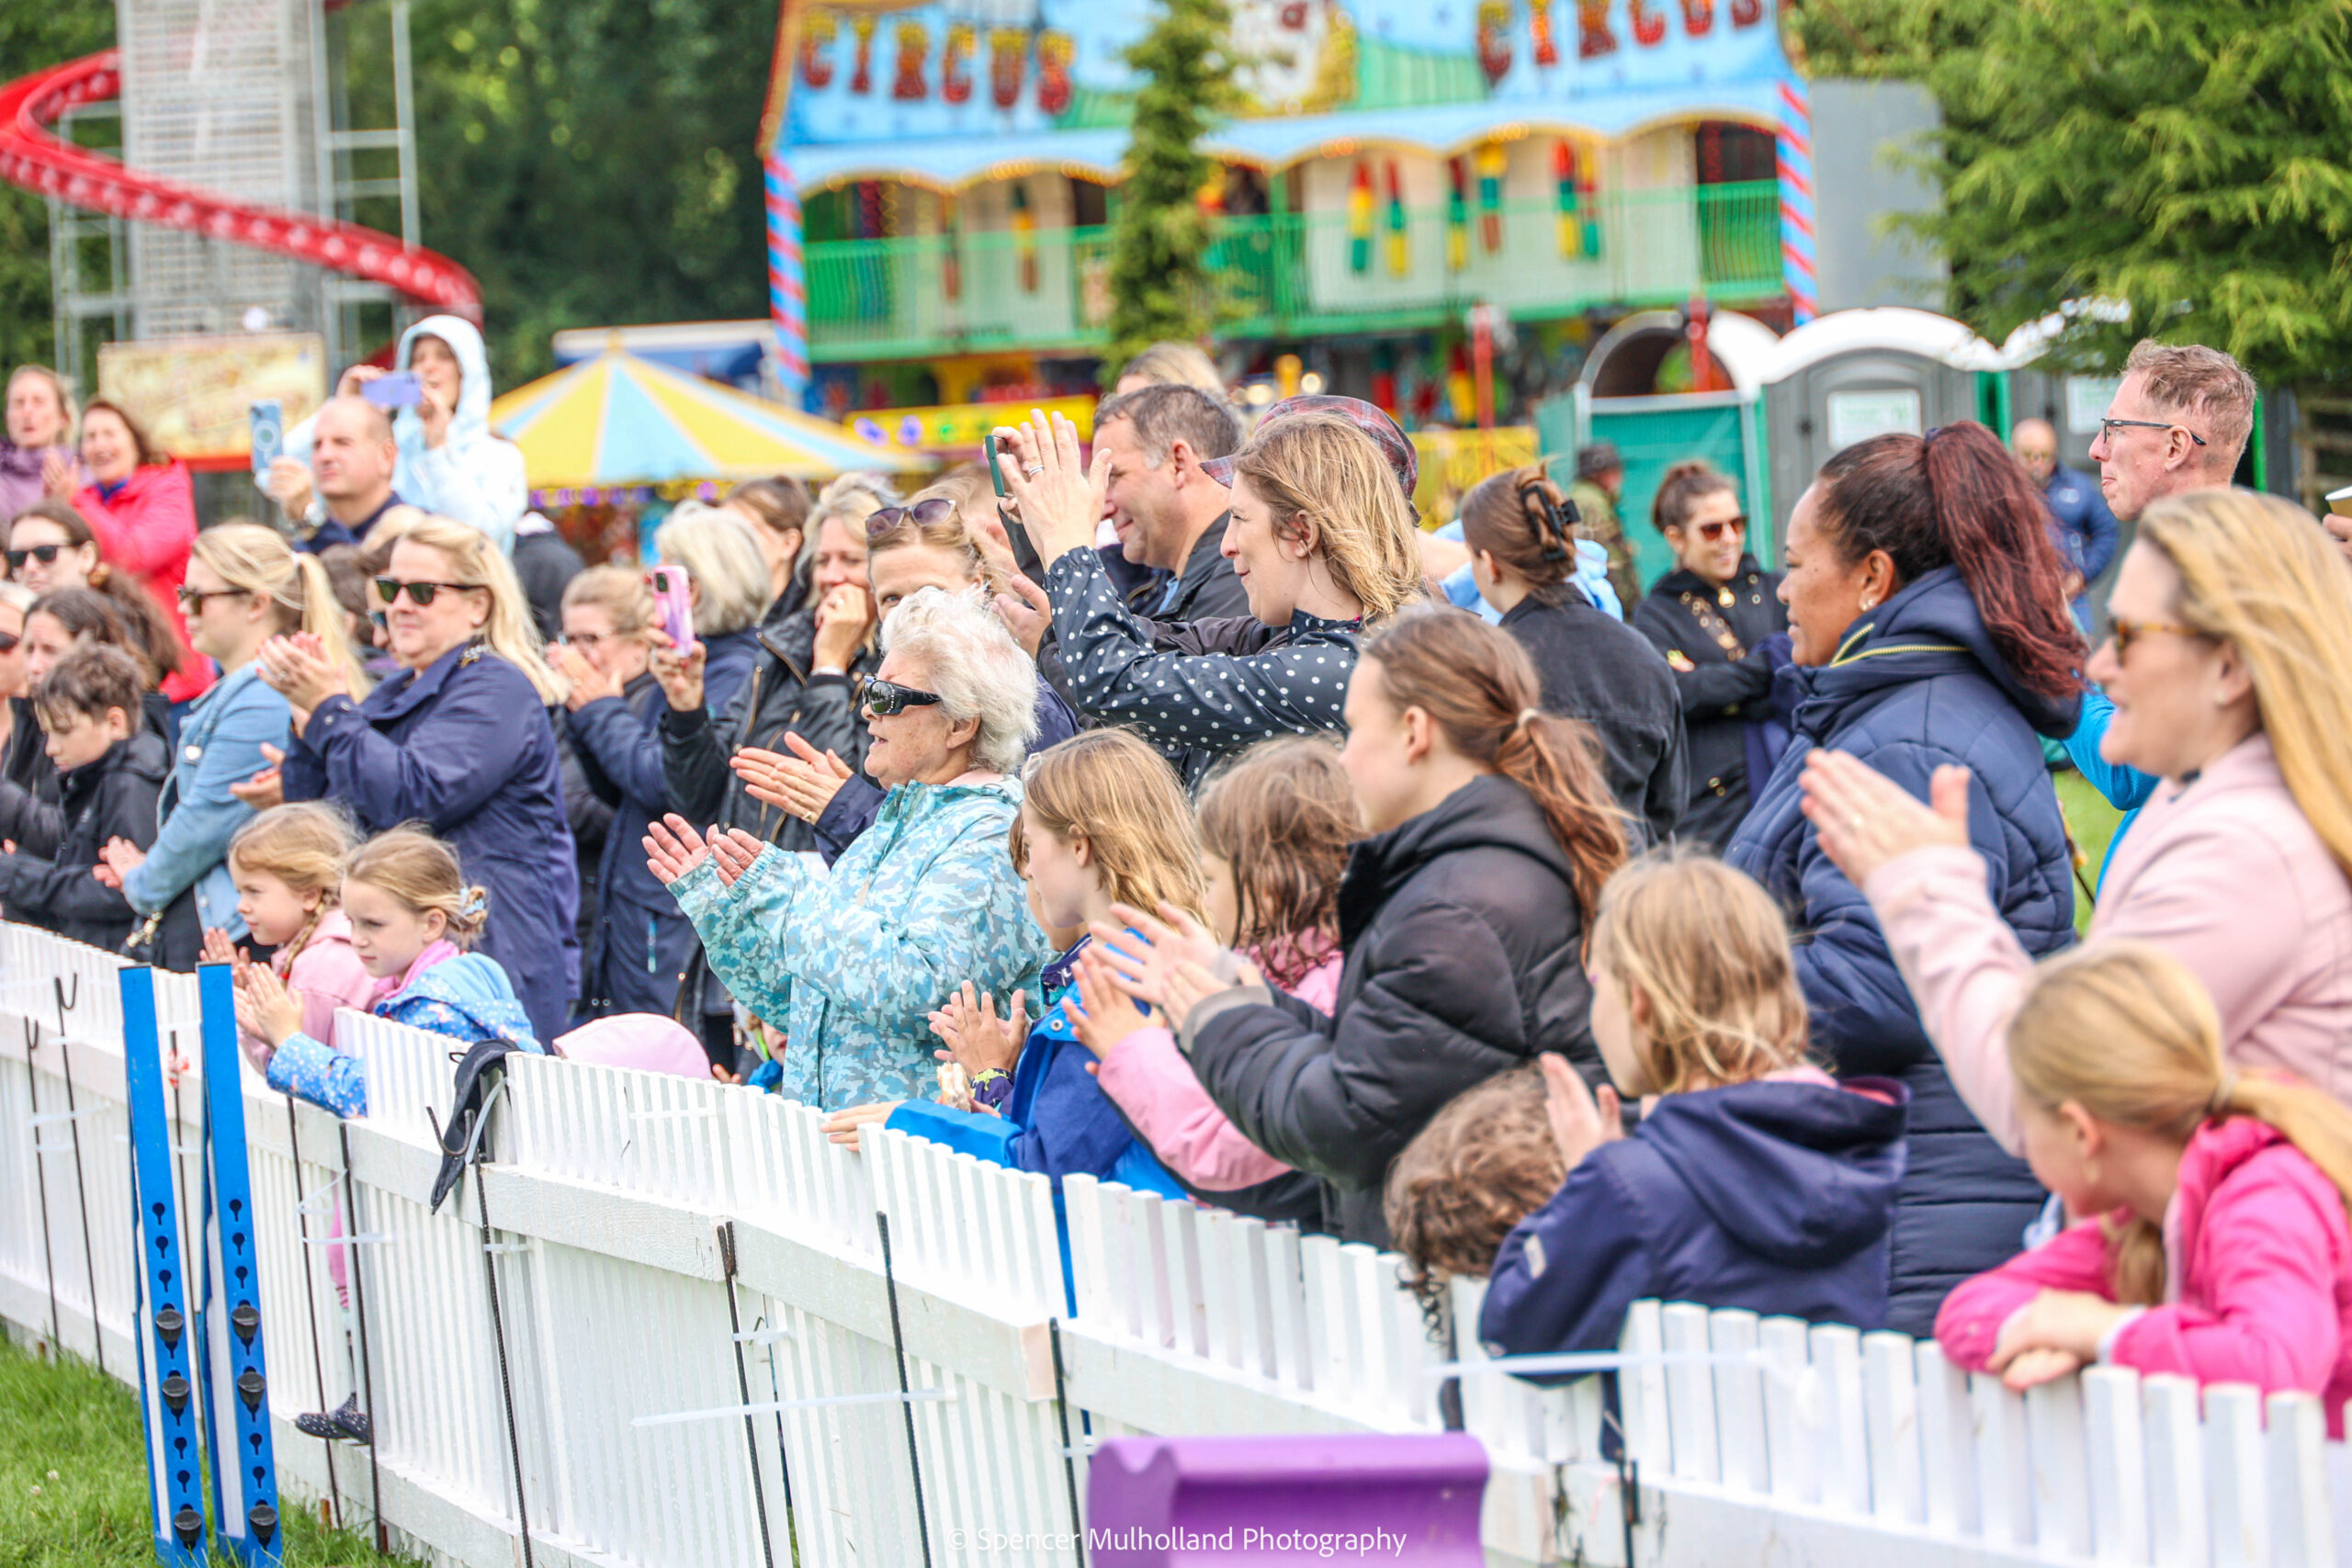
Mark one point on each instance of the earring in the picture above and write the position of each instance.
(1870, 602)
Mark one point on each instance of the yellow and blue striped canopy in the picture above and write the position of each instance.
(620, 420)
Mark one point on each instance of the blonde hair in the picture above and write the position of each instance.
(1485, 1161)
(303, 845)
(475, 561)
(2191, 378)
(257, 561)
(1170, 364)
(1319, 467)
(618, 591)
(1708, 948)
(2260, 573)
(718, 549)
(2126, 1031)
(952, 534)
(851, 499)
(1109, 788)
(422, 873)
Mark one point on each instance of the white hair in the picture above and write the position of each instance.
(973, 663)
(717, 550)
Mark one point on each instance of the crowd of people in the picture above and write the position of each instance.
(1182, 814)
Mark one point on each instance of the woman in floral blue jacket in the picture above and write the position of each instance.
(853, 961)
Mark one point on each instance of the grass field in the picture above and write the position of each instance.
(74, 1477)
(2092, 821)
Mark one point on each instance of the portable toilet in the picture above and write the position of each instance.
(1855, 373)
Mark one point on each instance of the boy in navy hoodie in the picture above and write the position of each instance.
(1753, 1179)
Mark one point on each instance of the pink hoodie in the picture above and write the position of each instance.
(2257, 1276)
(326, 975)
(1147, 1077)
(2225, 872)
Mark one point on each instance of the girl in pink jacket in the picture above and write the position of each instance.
(2221, 1249)
(286, 864)
(1274, 826)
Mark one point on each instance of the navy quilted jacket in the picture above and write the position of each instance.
(1915, 685)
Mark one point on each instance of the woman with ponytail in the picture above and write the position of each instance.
(1462, 916)
(2218, 1245)
(1927, 613)
(244, 586)
(1591, 665)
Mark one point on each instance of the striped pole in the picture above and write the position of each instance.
(1795, 143)
(787, 288)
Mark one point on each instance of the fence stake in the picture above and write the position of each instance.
(366, 1363)
(743, 1386)
(480, 1153)
(1069, 1463)
(310, 1303)
(898, 1344)
(40, 1176)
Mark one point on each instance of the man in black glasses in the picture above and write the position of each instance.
(2177, 423)
(1169, 516)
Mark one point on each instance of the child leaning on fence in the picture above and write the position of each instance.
(1753, 1180)
(412, 918)
(287, 866)
(2221, 1248)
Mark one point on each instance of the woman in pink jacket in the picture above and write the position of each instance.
(141, 505)
(2219, 1246)
(2232, 684)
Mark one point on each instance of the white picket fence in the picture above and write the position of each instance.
(702, 1352)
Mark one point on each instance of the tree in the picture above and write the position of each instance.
(1159, 287)
(34, 34)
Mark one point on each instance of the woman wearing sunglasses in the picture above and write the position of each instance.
(852, 962)
(459, 739)
(52, 549)
(1718, 619)
(1928, 625)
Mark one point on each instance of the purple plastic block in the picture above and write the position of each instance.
(1174, 1502)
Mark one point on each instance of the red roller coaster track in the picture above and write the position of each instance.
(31, 156)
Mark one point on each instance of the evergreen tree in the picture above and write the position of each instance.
(1158, 289)
(34, 34)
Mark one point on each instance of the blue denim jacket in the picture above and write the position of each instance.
(220, 742)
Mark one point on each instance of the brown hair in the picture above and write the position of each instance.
(86, 684)
(781, 503)
(1708, 948)
(1321, 466)
(950, 533)
(303, 845)
(1680, 490)
(2125, 1031)
(1109, 788)
(1168, 411)
(1522, 519)
(129, 621)
(149, 454)
(1169, 364)
(421, 872)
(1484, 1162)
(2190, 379)
(1283, 815)
(1477, 685)
(1955, 497)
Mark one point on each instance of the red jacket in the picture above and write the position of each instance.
(144, 531)
(2257, 1276)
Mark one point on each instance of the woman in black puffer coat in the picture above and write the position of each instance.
(1463, 916)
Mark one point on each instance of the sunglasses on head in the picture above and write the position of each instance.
(45, 554)
(420, 594)
(884, 698)
(1711, 532)
(923, 514)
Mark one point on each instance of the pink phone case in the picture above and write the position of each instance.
(673, 605)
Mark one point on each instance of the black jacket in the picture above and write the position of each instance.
(1595, 668)
(1708, 635)
(546, 564)
(29, 816)
(113, 797)
(1462, 936)
(1208, 589)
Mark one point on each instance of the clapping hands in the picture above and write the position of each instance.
(977, 1039)
(1062, 498)
(803, 784)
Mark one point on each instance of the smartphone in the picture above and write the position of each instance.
(268, 434)
(2340, 502)
(673, 605)
(996, 472)
(398, 389)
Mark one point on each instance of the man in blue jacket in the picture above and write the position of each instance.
(2087, 531)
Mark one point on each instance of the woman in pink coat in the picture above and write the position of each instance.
(141, 505)
(2219, 1246)
(2232, 684)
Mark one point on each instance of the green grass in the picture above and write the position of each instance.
(73, 1475)
(2092, 822)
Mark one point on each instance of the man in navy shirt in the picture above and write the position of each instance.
(2085, 527)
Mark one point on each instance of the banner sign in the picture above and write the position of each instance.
(192, 393)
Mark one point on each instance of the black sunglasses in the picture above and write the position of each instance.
(192, 600)
(923, 514)
(420, 594)
(45, 554)
(2107, 427)
(9, 642)
(886, 697)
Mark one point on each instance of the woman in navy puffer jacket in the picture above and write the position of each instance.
(1929, 612)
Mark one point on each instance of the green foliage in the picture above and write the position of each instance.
(34, 33)
(73, 1476)
(1159, 287)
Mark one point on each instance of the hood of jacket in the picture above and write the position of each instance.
(1489, 812)
(1799, 1173)
(470, 423)
(1932, 627)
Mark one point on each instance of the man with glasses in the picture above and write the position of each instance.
(2086, 529)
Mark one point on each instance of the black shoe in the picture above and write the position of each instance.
(346, 1421)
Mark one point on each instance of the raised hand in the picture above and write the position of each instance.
(59, 477)
(1026, 610)
(1109, 1016)
(266, 1008)
(1580, 1124)
(672, 848)
(267, 788)
(980, 1041)
(803, 784)
(1060, 498)
(588, 683)
(734, 850)
(296, 665)
(1865, 820)
(680, 677)
(843, 621)
(217, 948)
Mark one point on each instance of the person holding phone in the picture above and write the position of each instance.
(345, 487)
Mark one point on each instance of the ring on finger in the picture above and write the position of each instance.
(1033, 470)
(1854, 823)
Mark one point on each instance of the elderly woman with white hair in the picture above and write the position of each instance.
(852, 962)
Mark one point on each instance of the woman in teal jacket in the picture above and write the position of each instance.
(852, 962)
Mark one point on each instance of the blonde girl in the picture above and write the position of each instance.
(286, 865)
(2217, 1245)
(413, 915)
